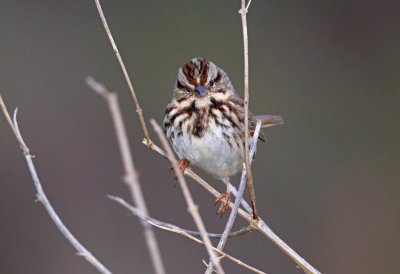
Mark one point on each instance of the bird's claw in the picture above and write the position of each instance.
(183, 164)
(224, 199)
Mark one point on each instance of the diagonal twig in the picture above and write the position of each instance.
(259, 224)
(178, 230)
(131, 177)
(192, 207)
(237, 233)
(125, 72)
(42, 198)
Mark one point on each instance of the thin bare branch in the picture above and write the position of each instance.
(131, 177)
(178, 230)
(259, 224)
(237, 233)
(245, 205)
(262, 227)
(248, 5)
(127, 78)
(192, 207)
(41, 196)
(243, 12)
(234, 211)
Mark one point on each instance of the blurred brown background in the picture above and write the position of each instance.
(327, 181)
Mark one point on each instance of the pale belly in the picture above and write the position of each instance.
(211, 152)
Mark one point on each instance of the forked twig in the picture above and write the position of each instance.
(131, 177)
(237, 233)
(262, 227)
(178, 230)
(250, 185)
(259, 224)
(238, 199)
(42, 198)
(125, 72)
(192, 207)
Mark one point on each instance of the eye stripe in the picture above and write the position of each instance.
(183, 87)
(180, 85)
(218, 77)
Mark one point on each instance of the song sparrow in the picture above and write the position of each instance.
(205, 122)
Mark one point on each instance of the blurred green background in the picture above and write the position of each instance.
(327, 181)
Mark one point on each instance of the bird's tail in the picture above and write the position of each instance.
(269, 120)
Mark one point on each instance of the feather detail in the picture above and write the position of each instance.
(269, 120)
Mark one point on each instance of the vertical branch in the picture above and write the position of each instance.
(192, 207)
(243, 12)
(131, 177)
(238, 200)
(128, 80)
(42, 198)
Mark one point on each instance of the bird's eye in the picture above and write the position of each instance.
(211, 83)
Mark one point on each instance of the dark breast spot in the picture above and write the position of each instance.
(200, 125)
(198, 130)
(187, 110)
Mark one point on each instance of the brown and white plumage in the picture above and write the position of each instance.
(205, 120)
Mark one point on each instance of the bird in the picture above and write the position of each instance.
(204, 122)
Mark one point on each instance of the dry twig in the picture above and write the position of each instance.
(259, 224)
(42, 198)
(178, 230)
(192, 207)
(131, 177)
(128, 80)
(238, 233)
(250, 185)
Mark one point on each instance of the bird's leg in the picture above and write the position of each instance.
(224, 198)
(183, 164)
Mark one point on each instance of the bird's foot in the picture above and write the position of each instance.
(224, 199)
(183, 164)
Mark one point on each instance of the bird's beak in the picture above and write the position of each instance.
(201, 90)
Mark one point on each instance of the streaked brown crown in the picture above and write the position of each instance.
(196, 71)
(200, 72)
